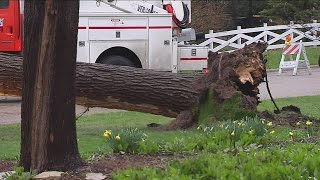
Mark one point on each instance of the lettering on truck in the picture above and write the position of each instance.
(143, 9)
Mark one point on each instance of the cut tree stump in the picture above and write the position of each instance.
(228, 91)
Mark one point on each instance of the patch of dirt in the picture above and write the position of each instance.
(184, 120)
(107, 165)
(7, 165)
(289, 116)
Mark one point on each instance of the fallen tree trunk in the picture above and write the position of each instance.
(231, 83)
(116, 87)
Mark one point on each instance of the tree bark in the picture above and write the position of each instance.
(48, 131)
(235, 74)
(115, 87)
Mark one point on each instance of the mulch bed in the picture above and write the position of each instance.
(7, 165)
(113, 163)
(107, 165)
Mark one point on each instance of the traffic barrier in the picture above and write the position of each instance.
(294, 49)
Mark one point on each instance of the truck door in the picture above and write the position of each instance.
(10, 39)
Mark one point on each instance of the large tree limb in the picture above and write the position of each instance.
(98, 85)
(164, 93)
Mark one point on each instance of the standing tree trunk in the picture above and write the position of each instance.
(48, 129)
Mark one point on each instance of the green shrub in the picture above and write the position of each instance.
(177, 145)
(245, 131)
(125, 141)
(148, 147)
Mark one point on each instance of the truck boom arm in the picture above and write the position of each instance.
(179, 10)
(129, 6)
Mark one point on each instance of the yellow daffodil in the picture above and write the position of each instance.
(107, 133)
(221, 125)
(269, 124)
(232, 134)
(308, 123)
(298, 123)
(263, 120)
(291, 133)
(251, 132)
(272, 132)
(118, 138)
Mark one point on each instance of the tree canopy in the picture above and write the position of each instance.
(300, 11)
(227, 14)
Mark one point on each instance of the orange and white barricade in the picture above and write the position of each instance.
(294, 49)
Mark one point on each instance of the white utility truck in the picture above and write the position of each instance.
(150, 34)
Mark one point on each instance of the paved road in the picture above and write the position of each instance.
(10, 111)
(284, 85)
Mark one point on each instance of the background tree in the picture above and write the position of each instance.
(210, 15)
(48, 130)
(300, 11)
(245, 13)
(221, 15)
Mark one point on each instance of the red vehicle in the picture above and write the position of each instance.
(11, 30)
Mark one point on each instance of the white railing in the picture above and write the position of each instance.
(274, 35)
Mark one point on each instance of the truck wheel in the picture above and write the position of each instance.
(117, 60)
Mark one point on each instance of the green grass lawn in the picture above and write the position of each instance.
(9, 141)
(213, 146)
(90, 128)
(274, 57)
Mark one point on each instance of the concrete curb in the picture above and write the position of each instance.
(9, 99)
(274, 70)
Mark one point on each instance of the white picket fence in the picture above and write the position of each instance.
(273, 35)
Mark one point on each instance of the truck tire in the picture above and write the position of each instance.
(117, 60)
